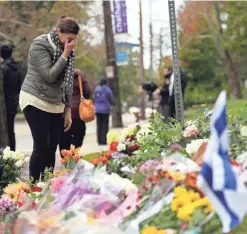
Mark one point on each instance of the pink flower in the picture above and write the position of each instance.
(58, 184)
(148, 166)
(184, 226)
(175, 147)
(191, 131)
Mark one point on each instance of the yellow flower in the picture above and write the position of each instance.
(201, 202)
(152, 230)
(177, 203)
(16, 191)
(194, 196)
(176, 175)
(112, 136)
(180, 191)
(209, 209)
(185, 213)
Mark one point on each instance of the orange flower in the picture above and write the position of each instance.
(76, 157)
(66, 153)
(63, 161)
(190, 181)
(234, 163)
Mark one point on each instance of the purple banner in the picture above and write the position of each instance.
(120, 16)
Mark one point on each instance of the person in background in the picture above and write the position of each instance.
(168, 93)
(11, 88)
(46, 93)
(76, 134)
(164, 93)
(103, 99)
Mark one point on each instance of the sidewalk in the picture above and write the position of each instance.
(25, 144)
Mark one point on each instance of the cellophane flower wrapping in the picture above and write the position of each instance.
(86, 201)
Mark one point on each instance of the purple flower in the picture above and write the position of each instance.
(118, 155)
(7, 206)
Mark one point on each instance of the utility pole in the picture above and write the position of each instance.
(142, 103)
(112, 66)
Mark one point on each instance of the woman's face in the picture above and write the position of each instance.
(65, 36)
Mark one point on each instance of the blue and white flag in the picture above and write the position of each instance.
(217, 180)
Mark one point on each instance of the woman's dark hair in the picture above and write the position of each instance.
(68, 25)
(6, 51)
(103, 81)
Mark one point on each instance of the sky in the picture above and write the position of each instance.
(160, 19)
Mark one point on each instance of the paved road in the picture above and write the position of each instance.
(24, 141)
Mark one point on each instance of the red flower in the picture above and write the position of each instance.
(36, 189)
(33, 205)
(131, 138)
(113, 146)
(133, 148)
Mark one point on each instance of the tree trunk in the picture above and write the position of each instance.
(111, 62)
(233, 78)
(4, 138)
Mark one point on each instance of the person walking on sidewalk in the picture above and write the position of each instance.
(76, 134)
(46, 93)
(103, 99)
(11, 88)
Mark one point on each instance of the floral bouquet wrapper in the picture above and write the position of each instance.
(178, 162)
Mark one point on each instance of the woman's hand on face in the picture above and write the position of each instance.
(68, 47)
(67, 120)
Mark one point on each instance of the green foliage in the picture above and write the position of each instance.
(163, 220)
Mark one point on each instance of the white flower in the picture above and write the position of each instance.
(7, 154)
(243, 131)
(121, 147)
(18, 156)
(37, 193)
(7, 149)
(143, 132)
(190, 122)
(194, 145)
(41, 184)
(26, 159)
(19, 163)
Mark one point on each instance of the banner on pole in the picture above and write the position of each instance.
(120, 16)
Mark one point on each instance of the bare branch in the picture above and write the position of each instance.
(16, 22)
(6, 37)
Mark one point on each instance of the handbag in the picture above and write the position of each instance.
(86, 107)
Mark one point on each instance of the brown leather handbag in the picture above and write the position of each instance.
(86, 107)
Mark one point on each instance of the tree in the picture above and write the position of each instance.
(200, 20)
(111, 62)
(4, 139)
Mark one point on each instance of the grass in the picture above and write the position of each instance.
(236, 107)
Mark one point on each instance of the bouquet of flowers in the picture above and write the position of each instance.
(11, 165)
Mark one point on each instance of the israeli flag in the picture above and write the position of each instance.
(217, 180)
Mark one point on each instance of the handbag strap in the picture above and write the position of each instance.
(80, 86)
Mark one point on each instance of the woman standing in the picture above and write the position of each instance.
(77, 131)
(103, 99)
(46, 93)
